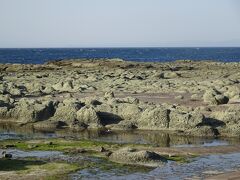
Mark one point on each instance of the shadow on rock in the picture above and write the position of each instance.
(213, 122)
(109, 118)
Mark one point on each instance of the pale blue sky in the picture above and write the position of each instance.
(119, 23)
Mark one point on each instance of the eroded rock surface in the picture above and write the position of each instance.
(133, 156)
(184, 96)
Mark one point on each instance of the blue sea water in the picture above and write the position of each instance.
(40, 56)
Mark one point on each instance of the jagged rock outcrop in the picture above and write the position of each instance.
(88, 116)
(154, 118)
(67, 110)
(27, 110)
(214, 97)
(184, 121)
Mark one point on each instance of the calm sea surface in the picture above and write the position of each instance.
(39, 56)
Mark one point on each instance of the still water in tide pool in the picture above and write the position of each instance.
(157, 138)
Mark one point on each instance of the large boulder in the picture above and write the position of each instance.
(88, 116)
(227, 117)
(230, 116)
(27, 110)
(154, 118)
(183, 121)
(128, 111)
(132, 156)
(67, 110)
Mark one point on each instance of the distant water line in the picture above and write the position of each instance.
(42, 55)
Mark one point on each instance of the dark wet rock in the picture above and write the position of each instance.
(132, 156)
(128, 111)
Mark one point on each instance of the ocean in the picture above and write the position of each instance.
(42, 55)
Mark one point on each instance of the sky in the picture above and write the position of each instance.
(119, 23)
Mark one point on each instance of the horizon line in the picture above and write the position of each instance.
(119, 47)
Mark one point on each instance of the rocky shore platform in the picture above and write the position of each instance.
(198, 98)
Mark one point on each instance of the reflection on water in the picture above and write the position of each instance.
(11, 131)
(199, 168)
(157, 138)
